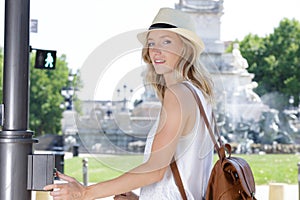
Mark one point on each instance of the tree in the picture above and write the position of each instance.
(45, 97)
(275, 59)
(44, 110)
(45, 113)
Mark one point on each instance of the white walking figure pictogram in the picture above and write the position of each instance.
(49, 60)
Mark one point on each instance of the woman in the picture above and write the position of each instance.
(171, 50)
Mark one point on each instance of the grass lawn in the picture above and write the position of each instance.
(269, 168)
(102, 167)
(274, 168)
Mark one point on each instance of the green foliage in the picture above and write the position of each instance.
(45, 97)
(45, 113)
(275, 59)
(77, 83)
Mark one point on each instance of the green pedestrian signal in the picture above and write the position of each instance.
(45, 59)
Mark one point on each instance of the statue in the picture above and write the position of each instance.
(269, 126)
(287, 119)
(273, 130)
(239, 62)
(251, 96)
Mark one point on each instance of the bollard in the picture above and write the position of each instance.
(75, 150)
(276, 191)
(85, 171)
(298, 180)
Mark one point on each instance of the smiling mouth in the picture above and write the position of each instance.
(159, 61)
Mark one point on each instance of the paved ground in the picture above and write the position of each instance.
(290, 192)
(262, 193)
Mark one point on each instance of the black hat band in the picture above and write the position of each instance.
(161, 25)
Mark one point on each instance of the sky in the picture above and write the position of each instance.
(77, 27)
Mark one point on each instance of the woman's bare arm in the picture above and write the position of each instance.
(164, 146)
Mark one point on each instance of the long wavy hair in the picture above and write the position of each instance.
(189, 68)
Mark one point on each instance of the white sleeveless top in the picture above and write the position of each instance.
(194, 157)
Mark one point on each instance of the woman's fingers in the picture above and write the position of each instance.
(70, 189)
(51, 187)
(65, 177)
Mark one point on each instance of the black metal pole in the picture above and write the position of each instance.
(15, 139)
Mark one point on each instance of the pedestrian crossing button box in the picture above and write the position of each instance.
(40, 171)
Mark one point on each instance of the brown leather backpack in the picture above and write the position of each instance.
(231, 177)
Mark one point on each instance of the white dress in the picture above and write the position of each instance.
(194, 157)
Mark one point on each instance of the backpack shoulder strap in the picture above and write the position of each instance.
(178, 180)
(217, 143)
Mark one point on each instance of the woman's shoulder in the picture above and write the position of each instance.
(180, 92)
(179, 88)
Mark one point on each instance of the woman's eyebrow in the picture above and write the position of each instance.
(163, 36)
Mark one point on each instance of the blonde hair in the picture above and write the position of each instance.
(189, 69)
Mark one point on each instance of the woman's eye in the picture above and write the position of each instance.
(167, 42)
(150, 44)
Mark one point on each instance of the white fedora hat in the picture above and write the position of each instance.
(176, 21)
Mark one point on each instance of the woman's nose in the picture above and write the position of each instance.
(156, 49)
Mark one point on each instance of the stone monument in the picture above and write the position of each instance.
(233, 83)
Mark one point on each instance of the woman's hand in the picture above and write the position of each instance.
(72, 190)
(126, 196)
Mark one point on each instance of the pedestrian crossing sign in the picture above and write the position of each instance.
(45, 59)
